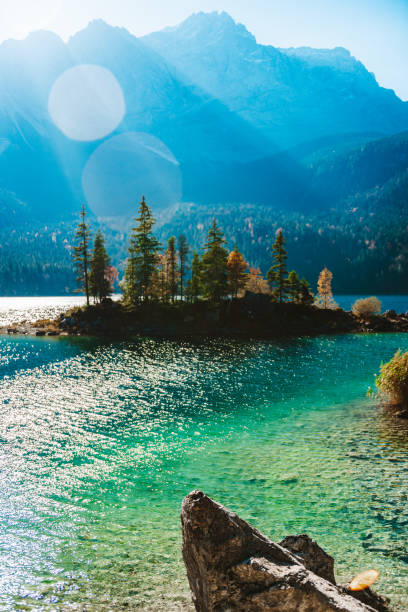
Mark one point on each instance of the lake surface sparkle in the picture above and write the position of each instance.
(100, 442)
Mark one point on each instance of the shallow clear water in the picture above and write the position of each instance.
(100, 442)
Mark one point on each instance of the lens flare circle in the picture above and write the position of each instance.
(127, 166)
(86, 102)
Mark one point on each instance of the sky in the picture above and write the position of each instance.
(374, 31)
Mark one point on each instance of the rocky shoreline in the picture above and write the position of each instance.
(253, 316)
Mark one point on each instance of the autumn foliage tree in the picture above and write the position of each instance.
(324, 290)
(367, 306)
(237, 272)
(256, 283)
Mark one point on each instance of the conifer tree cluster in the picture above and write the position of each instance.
(95, 275)
(154, 274)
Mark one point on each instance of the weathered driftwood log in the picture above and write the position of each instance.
(231, 566)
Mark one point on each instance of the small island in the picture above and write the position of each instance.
(168, 294)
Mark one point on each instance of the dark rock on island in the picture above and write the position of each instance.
(232, 566)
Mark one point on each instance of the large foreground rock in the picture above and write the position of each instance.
(231, 566)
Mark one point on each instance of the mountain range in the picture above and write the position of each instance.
(212, 118)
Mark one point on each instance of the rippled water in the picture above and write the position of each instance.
(100, 443)
(17, 309)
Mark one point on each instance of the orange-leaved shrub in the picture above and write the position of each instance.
(393, 378)
(367, 306)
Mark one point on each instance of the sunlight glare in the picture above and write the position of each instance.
(126, 166)
(86, 102)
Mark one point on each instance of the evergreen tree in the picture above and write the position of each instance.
(183, 250)
(194, 285)
(214, 265)
(237, 272)
(81, 254)
(306, 296)
(293, 287)
(172, 268)
(143, 254)
(99, 284)
(277, 274)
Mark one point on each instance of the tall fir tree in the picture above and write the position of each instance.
(143, 255)
(237, 272)
(172, 268)
(99, 283)
(277, 274)
(81, 255)
(194, 285)
(214, 265)
(183, 251)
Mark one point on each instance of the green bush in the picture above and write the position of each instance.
(367, 306)
(393, 378)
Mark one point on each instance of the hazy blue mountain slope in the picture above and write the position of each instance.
(245, 123)
(290, 95)
(44, 167)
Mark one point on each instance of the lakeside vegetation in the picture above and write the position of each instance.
(392, 382)
(171, 291)
(154, 274)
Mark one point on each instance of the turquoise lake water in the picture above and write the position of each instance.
(100, 442)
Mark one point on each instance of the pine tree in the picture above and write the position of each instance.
(172, 268)
(142, 260)
(99, 285)
(324, 290)
(81, 254)
(183, 250)
(194, 285)
(214, 265)
(237, 272)
(306, 296)
(277, 274)
(293, 287)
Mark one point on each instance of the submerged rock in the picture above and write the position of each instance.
(232, 566)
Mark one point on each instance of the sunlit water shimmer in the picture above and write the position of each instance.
(18, 309)
(101, 441)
